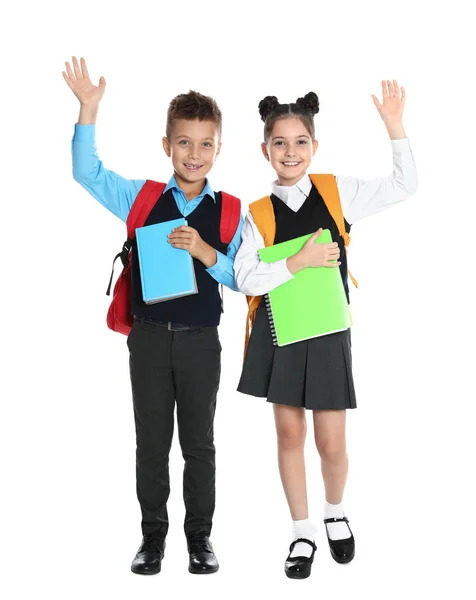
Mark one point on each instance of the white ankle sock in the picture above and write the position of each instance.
(303, 529)
(336, 531)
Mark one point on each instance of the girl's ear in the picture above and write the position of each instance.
(166, 145)
(264, 150)
(315, 144)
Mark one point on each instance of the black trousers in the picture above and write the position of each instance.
(169, 368)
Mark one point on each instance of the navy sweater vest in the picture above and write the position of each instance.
(312, 215)
(202, 309)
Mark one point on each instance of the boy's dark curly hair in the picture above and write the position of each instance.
(193, 106)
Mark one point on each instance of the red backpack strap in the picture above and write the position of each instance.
(145, 200)
(148, 195)
(230, 217)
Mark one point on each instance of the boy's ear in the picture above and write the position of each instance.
(218, 150)
(264, 150)
(166, 145)
(315, 144)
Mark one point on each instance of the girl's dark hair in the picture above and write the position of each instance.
(193, 106)
(304, 108)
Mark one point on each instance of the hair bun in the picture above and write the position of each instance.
(267, 106)
(309, 103)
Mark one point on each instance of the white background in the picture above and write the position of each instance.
(70, 521)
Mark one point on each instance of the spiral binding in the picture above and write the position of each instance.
(270, 317)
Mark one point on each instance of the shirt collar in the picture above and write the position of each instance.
(283, 191)
(172, 184)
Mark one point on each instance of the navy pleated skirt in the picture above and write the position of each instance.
(315, 374)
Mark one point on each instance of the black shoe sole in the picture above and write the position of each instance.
(150, 572)
(201, 572)
(343, 561)
(297, 575)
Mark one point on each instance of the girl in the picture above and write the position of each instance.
(314, 374)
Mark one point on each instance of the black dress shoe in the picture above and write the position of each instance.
(148, 559)
(343, 551)
(299, 567)
(202, 557)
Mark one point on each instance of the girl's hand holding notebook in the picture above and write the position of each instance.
(314, 255)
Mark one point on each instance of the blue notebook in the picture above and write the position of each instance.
(166, 272)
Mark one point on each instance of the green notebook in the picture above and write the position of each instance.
(311, 304)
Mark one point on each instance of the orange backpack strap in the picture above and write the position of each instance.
(327, 186)
(262, 212)
(253, 305)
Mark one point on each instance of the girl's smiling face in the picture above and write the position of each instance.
(290, 149)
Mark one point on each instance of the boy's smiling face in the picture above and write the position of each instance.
(289, 149)
(193, 147)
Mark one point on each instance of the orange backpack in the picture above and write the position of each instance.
(263, 216)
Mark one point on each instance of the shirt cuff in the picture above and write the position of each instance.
(283, 269)
(84, 133)
(400, 144)
(220, 266)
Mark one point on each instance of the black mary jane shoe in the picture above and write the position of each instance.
(148, 560)
(202, 557)
(342, 551)
(299, 567)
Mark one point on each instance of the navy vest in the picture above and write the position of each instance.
(312, 215)
(202, 309)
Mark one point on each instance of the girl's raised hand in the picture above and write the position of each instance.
(78, 80)
(393, 101)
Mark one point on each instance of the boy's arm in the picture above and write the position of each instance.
(110, 189)
(219, 265)
(222, 270)
(113, 191)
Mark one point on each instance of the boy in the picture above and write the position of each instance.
(174, 345)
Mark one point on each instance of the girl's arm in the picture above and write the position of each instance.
(113, 191)
(361, 198)
(255, 277)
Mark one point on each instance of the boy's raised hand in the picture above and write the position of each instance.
(393, 101)
(78, 80)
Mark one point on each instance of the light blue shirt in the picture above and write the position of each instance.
(117, 194)
(187, 206)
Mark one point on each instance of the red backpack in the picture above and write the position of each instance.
(119, 316)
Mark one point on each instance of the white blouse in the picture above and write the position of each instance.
(359, 199)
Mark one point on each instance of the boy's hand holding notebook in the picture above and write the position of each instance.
(188, 238)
